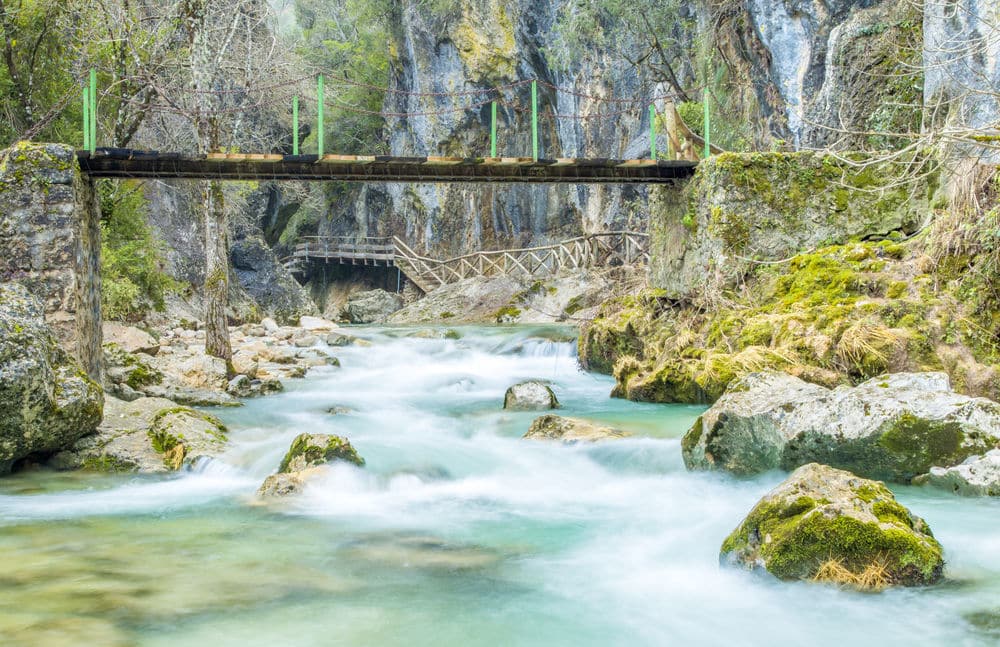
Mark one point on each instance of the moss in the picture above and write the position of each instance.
(304, 447)
(142, 375)
(796, 538)
(163, 441)
(574, 305)
(506, 312)
(107, 464)
(917, 444)
(446, 315)
(693, 436)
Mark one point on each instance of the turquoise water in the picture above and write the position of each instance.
(457, 532)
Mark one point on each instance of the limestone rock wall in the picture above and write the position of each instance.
(743, 208)
(50, 242)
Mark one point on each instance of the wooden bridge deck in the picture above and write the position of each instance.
(594, 250)
(127, 163)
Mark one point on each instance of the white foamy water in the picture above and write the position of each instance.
(456, 532)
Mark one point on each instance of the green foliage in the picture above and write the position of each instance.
(133, 280)
(693, 114)
(36, 39)
(350, 36)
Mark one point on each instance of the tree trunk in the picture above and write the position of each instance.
(216, 272)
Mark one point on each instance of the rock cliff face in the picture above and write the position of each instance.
(799, 67)
(46, 401)
(262, 286)
(49, 242)
(962, 58)
(478, 47)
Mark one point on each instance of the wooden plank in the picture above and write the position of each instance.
(444, 161)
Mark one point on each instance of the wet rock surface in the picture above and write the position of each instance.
(571, 430)
(892, 427)
(530, 396)
(830, 525)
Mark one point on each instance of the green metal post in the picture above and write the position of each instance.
(493, 131)
(319, 117)
(86, 118)
(652, 132)
(295, 125)
(534, 119)
(93, 111)
(708, 127)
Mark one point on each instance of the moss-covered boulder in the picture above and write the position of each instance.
(829, 525)
(46, 401)
(571, 430)
(530, 396)
(147, 436)
(307, 454)
(893, 427)
(310, 450)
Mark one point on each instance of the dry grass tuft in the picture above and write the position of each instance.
(869, 346)
(875, 577)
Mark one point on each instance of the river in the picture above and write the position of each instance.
(457, 532)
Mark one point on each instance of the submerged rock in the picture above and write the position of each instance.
(307, 454)
(892, 427)
(372, 307)
(46, 401)
(148, 435)
(571, 430)
(977, 476)
(829, 525)
(530, 396)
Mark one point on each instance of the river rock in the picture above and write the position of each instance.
(337, 340)
(307, 453)
(316, 324)
(270, 325)
(46, 401)
(282, 485)
(374, 306)
(245, 363)
(306, 341)
(130, 339)
(827, 524)
(204, 372)
(571, 430)
(530, 396)
(977, 476)
(892, 427)
(148, 435)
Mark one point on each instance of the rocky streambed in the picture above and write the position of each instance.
(441, 522)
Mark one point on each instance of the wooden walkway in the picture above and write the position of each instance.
(618, 248)
(127, 163)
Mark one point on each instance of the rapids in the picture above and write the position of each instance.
(457, 532)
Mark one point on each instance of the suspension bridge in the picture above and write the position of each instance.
(678, 159)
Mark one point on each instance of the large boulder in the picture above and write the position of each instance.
(306, 455)
(267, 281)
(829, 525)
(571, 430)
(892, 427)
(530, 396)
(977, 476)
(130, 339)
(46, 401)
(372, 307)
(148, 435)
